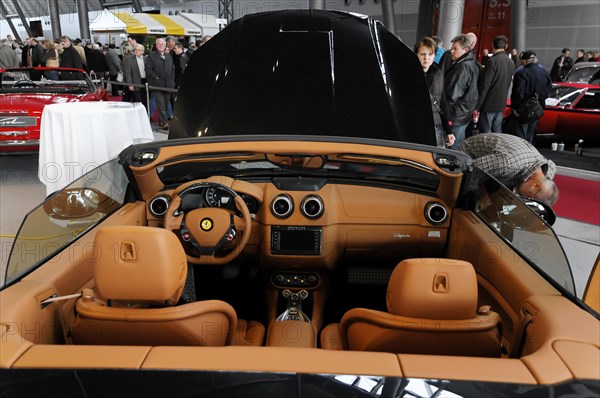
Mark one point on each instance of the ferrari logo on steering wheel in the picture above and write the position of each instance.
(206, 224)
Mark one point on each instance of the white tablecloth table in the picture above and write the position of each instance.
(78, 136)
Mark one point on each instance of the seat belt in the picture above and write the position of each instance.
(517, 345)
(59, 298)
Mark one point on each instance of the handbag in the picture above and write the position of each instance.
(530, 109)
(53, 62)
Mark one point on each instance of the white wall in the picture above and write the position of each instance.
(574, 25)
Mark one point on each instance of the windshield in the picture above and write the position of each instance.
(338, 167)
(582, 74)
(562, 95)
(65, 216)
(520, 227)
(56, 80)
(590, 100)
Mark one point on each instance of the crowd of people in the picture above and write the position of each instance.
(162, 67)
(468, 100)
(563, 63)
(469, 96)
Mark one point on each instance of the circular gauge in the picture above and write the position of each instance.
(216, 197)
(251, 203)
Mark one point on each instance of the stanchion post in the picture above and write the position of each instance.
(148, 100)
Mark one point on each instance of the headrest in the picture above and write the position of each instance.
(433, 288)
(139, 264)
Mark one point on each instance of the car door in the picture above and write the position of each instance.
(591, 296)
(585, 117)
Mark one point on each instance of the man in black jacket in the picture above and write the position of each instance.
(528, 81)
(460, 88)
(70, 58)
(561, 66)
(493, 92)
(160, 72)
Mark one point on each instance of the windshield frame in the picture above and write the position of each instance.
(370, 169)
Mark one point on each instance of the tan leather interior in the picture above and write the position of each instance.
(505, 280)
(362, 222)
(291, 334)
(433, 288)
(139, 265)
(273, 359)
(148, 265)
(361, 225)
(431, 310)
(546, 358)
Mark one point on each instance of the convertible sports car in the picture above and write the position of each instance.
(294, 263)
(25, 91)
(572, 111)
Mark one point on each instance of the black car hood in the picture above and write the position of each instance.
(308, 72)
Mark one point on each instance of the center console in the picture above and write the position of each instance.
(296, 301)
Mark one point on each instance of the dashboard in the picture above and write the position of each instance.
(320, 227)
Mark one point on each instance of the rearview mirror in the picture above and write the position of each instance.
(297, 160)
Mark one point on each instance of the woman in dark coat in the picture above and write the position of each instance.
(425, 50)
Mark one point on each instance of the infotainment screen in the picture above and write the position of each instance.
(296, 240)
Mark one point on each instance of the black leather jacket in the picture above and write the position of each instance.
(460, 89)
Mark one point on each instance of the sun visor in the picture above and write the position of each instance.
(305, 72)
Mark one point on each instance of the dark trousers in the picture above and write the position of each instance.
(138, 95)
(114, 88)
(524, 129)
(162, 98)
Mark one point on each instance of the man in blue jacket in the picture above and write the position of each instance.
(526, 82)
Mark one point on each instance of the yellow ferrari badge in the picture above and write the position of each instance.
(206, 224)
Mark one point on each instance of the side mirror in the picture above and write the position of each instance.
(544, 211)
(77, 203)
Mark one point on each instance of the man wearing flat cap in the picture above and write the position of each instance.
(527, 81)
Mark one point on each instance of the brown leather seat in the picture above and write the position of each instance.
(141, 272)
(432, 309)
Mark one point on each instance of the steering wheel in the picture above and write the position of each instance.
(209, 229)
(26, 83)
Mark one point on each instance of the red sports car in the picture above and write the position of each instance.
(25, 91)
(572, 111)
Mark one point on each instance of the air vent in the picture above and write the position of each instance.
(282, 206)
(436, 213)
(312, 206)
(159, 205)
